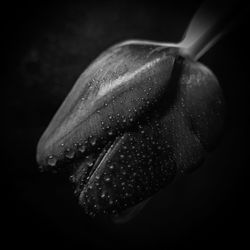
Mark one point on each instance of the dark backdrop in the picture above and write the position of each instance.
(46, 47)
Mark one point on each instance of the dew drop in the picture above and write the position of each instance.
(107, 179)
(52, 161)
(82, 148)
(93, 141)
(90, 163)
(69, 153)
(72, 178)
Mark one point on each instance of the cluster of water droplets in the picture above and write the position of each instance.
(135, 170)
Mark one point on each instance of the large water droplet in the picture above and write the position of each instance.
(93, 141)
(52, 160)
(107, 179)
(69, 153)
(82, 148)
(90, 163)
(72, 178)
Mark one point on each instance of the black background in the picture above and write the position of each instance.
(46, 47)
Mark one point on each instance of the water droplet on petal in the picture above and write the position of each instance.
(72, 178)
(107, 179)
(69, 153)
(93, 141)
(90, 163)
(82, 148)
(52, 160)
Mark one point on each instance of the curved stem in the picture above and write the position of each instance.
(207, 26)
